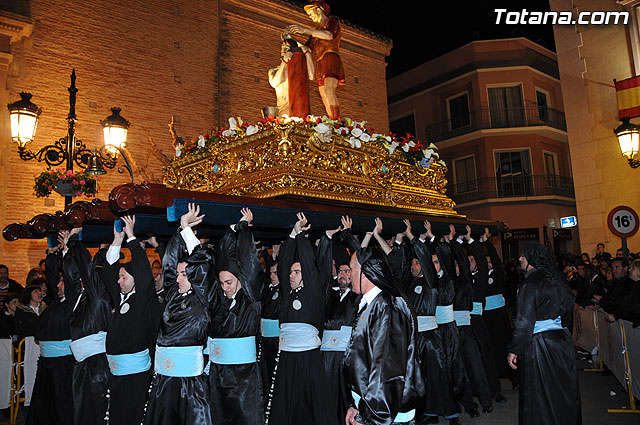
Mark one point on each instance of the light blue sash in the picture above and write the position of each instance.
(55, 348)
(270, 328)
(547, 325)
(462, 317)
(427, 323)
(180, 362)
(336, 340)
(477, 309)
(444, 314)
(297, 337)
(400, 417)
(233, 350)
(89, 345)
(129, 364)
(494, 302)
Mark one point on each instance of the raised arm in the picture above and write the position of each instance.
(346, 238)
(248, 263)
(310, 273)
(142, 274)
(377, 235)
(111, 268)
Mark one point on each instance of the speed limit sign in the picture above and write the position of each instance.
(623, 221)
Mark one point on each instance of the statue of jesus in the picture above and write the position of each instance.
(324, 42)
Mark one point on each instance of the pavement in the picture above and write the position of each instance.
(599, 392)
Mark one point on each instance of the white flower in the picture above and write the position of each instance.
(178, 150)
(228, 133)
(322, 128)
(388, 139)
(356, 132)
(355, 143)
(252, 129)
(428, 153)
(201, 141)
(432, 146)
(365, 137)
(406, 147)
(411, 144)
(233, 124)
(339, 131)
(393, 147)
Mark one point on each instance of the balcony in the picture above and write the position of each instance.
(511, 187)
(485, 118)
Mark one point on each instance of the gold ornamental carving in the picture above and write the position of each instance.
(289, 159)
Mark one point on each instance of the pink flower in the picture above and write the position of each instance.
(82, 182)
(75, 182)
(69, 173)
(78, 193)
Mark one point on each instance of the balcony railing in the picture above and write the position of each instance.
(487, 117)
(511, 187)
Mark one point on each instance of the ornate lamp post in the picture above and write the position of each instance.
(629, 137)
(24, 120)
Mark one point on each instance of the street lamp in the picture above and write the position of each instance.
(628, 135)
(24, 120)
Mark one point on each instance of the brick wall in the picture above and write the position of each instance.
(201, 60)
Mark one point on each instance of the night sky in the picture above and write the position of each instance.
(419, 36)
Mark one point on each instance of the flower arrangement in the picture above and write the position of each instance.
(76, 184)
(356, 133)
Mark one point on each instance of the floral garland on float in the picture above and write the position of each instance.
(356, 133)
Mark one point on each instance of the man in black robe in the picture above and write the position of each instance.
(180, 389)
(300, 390)
(132, 332)
(234, 375)
(495, 311)
(480, 276)
(381, 363)
(89, 323)
(440, 351)
(269, 324)
(340, 312)
(542, 346)
(476, 384)
(52, 401)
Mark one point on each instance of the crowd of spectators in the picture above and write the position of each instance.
(607, 282)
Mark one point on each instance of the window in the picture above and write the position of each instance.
(513, 173)
(506, 107)
(465, 175)
(551, 169)
(458, 111)
(542, 99)
(404, 125)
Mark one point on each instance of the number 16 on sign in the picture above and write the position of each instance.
(623, 222)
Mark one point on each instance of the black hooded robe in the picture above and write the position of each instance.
(52, 401)
(478, 325)
(236, 389)
(381, 363)
(549, 391)
(300, 388)
(340, 310)
(270, 299)
(91, 377)
(497, 320)
(463, 301)
(182, 400)
(132, 329)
